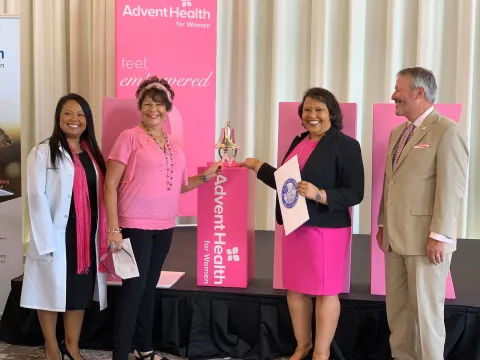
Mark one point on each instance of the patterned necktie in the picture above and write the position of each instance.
(407, 135)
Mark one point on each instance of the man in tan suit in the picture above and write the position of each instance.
(425, 177)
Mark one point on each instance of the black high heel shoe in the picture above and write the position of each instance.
(65, 352)
(149, 356)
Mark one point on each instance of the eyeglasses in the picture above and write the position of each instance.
(105, 257)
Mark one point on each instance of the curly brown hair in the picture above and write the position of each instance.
(157, 95)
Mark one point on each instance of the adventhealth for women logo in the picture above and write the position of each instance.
(178, 12)
(233, 254)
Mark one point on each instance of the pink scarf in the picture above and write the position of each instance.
(82, 211)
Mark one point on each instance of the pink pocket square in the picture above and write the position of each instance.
(421, 146)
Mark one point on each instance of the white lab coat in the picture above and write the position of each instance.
(49, 194)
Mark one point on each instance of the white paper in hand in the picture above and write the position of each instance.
(292, 205)
(124, 261)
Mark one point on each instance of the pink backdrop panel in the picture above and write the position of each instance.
(290, 126)
(117, 115)
(186, 57)
(384, 120)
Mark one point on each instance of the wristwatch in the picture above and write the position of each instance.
(318, 198)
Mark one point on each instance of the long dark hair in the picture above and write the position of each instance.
(58, 138)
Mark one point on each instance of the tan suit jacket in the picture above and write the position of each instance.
(424, 192)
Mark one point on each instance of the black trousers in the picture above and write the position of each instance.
(135, 308)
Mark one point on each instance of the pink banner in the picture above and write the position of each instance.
(289, 126)
(384, 120)
(176, 40)
(226, 229)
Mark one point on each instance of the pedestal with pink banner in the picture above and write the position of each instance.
(289, 126)
(226, 229)
(384, 120)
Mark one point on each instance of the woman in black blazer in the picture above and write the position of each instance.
(315, 255)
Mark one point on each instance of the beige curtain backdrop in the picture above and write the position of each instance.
(271, 51)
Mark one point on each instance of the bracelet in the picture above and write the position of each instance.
(119, 230)
(203, 177)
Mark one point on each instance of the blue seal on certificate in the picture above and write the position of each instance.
(289, 193)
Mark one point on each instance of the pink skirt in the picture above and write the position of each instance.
(314, 260)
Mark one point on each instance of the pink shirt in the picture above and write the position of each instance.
(143, 199)
(303, 151)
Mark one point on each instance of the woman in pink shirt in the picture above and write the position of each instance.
(146, 173)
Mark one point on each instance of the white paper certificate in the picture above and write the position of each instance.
(124, 261)
(292, 205)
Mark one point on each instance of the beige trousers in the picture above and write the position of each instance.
(415, 293)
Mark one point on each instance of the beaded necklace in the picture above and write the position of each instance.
(167, 151)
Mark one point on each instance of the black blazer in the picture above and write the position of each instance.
(335, 166)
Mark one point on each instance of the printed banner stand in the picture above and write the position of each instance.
(186, 59)
(384, 120)
(11, 261)
(226, 229)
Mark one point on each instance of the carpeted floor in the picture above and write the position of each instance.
(12, 352)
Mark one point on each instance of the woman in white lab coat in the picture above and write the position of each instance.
(65, 176)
